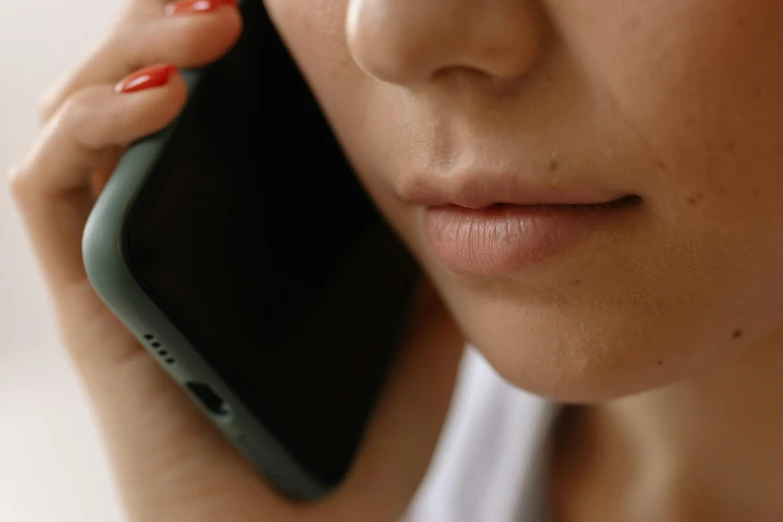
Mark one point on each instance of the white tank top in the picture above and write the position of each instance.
(490, 462)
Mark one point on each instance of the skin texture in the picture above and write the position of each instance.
(676, 102)
(666, 323)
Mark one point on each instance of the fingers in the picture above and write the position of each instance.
(187, 34)
(53, 183)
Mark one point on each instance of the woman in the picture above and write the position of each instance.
(602, 186)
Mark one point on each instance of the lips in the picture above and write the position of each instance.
(478, 190)
(495, 225)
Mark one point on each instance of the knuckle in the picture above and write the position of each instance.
(47, 105)
(51, 100)
(76, 110)
(17, 179)
(71, 116)
(65, 86)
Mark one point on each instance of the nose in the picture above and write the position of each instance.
(412, 41)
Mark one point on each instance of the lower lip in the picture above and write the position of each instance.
(506, 239)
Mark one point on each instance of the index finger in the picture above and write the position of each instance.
(151, 31)
(52, 184)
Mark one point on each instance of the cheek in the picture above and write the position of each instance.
(660, 317)
(702, 84)
(314, 32)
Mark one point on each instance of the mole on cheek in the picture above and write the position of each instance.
(695, 200)
(737, 334)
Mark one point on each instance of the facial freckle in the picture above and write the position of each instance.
(756, 194)
(553, 165)
(731, 146)
(737, 334)
(660, 363)
(691, 121)
(576, 282)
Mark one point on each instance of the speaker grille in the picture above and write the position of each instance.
(157, 348)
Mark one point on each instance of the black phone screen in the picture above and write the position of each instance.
(254, 237)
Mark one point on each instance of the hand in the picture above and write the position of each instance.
(171, 464)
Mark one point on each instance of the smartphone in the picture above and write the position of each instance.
(238, 246)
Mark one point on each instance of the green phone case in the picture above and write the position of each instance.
(110, 276)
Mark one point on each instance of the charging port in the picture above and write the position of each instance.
(210, 399)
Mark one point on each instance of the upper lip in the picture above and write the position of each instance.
(478, 189)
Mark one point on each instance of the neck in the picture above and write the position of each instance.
(710, 448)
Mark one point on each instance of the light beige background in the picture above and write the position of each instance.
(52, 466)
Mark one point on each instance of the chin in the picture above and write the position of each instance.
(575, 380)
(575, 364)
(626, 327)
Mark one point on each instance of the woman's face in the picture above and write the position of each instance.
(449, 103)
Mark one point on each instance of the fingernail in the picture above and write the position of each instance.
(147, 78)
(197, 6)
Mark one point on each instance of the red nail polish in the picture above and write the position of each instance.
(146, 78)
(197, 6)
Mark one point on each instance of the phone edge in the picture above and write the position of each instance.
(111, 278)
